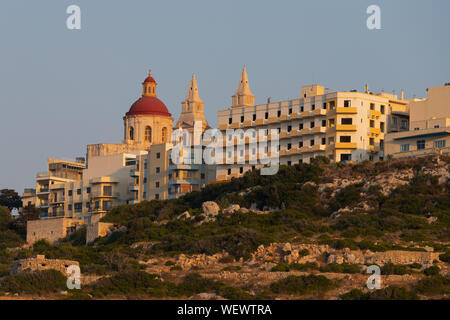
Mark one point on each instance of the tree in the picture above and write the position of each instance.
(10, 199)
(19, 225)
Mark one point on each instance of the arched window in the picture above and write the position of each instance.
(148, 134)
(131, 133)
(164, 134)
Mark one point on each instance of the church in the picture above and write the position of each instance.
(137, 169)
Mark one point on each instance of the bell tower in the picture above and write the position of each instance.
(243, 96)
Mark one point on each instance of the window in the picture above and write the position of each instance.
(289, 146)
(382, 109)
(332, 105)
(372, 123)
(404, 147)
(254, 117)
(311, 142)
(70, 193)
(242, 118)
(88, 190)
(148, 134)
(311, 125)
(157, 196)
(289, 128)
(324, 141)
(230, 120)
(289, 163)
(69, 207)
(278, 113)
(300, 126)
(313, 107)
(439, 144)
(324, 105)
(346, 121)
(345, 139)
(300, 144)
(420, 144)
(131, 133)
(372, 106)
(382, 126)
(346, 103)
(158, 169)
(266, 115)
(331, 123)
(372, 141)
(158, 155)
(330, 140)
(324, 123)
(157, 184)
(436, 126)
(164, 134)
(302, 108)
(229, 171)
(78, 191)
(107, 191)
(241, 170)
(78, 207)
(346, 157)
(290, 110)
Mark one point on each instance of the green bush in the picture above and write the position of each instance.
(311, 284)
(39, 282)
(436, 284)
(340, 268)
(390, 268)
(389, 293)
(432, 271)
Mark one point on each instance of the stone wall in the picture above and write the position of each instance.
(52, 229)
(40, 263)
(96, 230)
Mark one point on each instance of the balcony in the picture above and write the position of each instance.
(57, 200)
(346, 110)
(134, 173)
(100, 194)
(319, 112)
(375, 113)
(259, 122)
(345, 145)
(305, 114)
(294, 133)
(375, 130)
(43, 191)
(293, 151)
(235, 125)
(283, 134)
(318, 147)
(318, 130)
(283, 117)
(374, 148)
(346, 127)
(272, 120)
(248, 123)
(283, 152)
(305, 131)
(133, 187)
(223, 127)
(305, 149)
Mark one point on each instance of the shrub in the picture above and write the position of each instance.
(340, 268)
(393, 293)
(436, 284)
(445, 257)
(39, 282)
(432, 271)
(390, 268)
(354, 294)
(311, 284)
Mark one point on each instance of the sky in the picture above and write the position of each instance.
(62, 89)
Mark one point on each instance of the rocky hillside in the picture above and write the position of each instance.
(311, 231)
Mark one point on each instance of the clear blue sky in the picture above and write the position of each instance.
(63, 89)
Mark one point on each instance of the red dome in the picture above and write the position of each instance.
(148, 106)
(149, 79)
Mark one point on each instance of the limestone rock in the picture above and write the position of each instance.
(232, 209)
(184, 215)
(210, 208)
